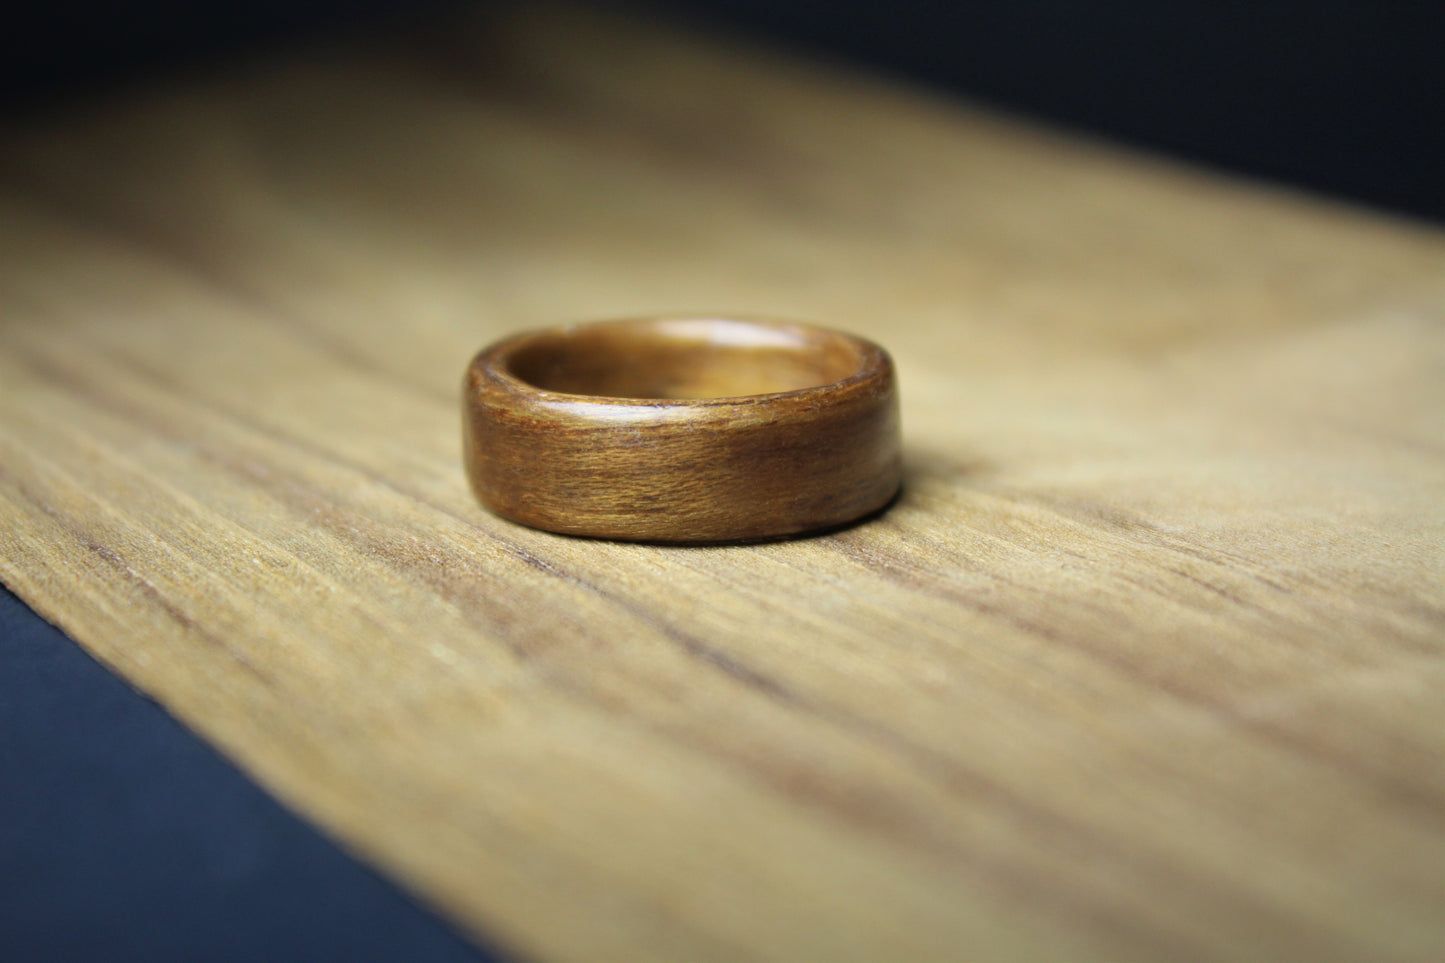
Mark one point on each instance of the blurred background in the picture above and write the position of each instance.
(1339, 96)
(134, 840)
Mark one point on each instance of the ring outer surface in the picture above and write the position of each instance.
(682, 470)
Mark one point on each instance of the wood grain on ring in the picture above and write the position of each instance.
(682, 430)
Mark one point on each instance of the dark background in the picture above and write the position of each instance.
(1342, 96)
(122, 837)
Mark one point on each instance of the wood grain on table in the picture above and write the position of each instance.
(1147, 663)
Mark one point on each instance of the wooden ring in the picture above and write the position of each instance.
(682, 429)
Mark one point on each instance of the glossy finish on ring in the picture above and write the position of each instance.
(682, 429)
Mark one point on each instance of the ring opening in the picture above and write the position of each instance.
(684, 359)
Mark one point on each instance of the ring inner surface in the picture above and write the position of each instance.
(685, 359)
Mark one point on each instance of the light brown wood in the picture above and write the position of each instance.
(682, 430)
(1145, 664)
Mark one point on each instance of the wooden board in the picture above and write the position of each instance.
(1146, 663)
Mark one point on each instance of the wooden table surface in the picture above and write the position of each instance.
(1147, 663)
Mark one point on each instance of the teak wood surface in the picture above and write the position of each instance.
(1145, 663)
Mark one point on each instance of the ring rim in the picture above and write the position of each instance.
(876, 360)
(837, 443)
